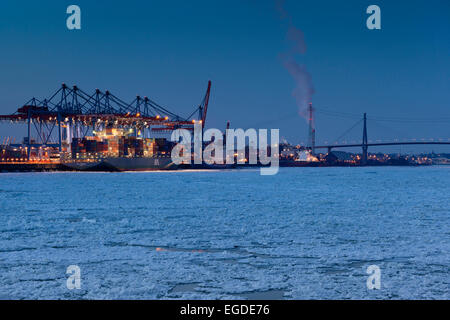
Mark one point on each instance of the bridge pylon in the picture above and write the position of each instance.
(364, 142)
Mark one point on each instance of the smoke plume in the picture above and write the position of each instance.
(304, 88)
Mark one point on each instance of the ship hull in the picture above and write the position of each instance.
(124, 164)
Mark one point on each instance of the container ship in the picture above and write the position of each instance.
(117, 150)
(75, 130)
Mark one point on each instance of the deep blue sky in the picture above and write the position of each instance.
(168, 50)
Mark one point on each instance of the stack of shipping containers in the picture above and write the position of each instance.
(115, 143)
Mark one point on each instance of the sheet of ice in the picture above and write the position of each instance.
(304, 233)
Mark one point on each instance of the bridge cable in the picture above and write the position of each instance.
(346, 132)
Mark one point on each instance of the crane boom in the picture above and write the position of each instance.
(206, 101)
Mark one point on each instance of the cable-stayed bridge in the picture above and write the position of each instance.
(365, 142)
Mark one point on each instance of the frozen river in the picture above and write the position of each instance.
(303, 233)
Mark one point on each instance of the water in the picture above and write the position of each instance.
(304, 233)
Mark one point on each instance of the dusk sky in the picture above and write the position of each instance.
(168, 50)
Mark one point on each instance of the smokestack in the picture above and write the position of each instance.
(312, 130)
